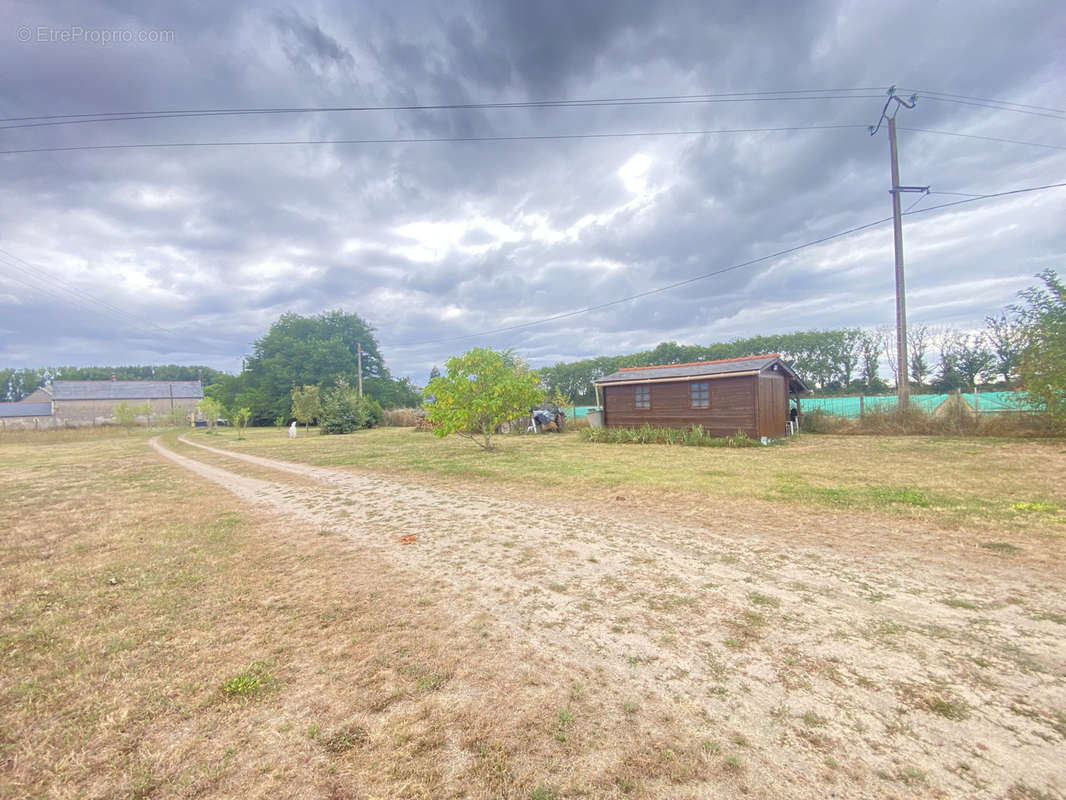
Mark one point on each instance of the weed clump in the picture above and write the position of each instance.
(249, 684)
(346, 739)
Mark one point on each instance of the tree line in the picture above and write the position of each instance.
(830, 360)
(838, 361)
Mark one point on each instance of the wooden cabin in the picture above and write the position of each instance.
(750, 394)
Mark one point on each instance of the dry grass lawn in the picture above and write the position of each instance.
(880, 618)
(957, 483)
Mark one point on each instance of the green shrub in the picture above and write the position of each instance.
(345, 411)
(695, 436)
(375, 415)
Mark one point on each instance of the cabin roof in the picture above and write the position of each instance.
(701, 369)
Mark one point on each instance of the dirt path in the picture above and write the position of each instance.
(824, 671)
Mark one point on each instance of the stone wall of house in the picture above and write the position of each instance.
(26, 423)
(102, 412)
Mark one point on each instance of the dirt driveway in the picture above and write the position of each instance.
(873, 672)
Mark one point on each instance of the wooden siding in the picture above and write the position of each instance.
(773, 405)
(733, 406)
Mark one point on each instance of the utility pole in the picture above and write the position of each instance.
(359, 366)
(902, 381)
(903, 390)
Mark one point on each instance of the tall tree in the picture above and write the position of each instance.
(917, 342)
(886, 340)
(871, 360)
(1043, 364)
(1006, 337)
(946, 343)
(973, 358)
(302, 351)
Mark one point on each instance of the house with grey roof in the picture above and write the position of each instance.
(94, 402)
(76, 403)
(25, 415)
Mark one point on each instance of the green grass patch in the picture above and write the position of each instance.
(945, 707)
(881, 498)
(249, 684)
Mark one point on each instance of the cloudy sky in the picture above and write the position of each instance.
(187, 254)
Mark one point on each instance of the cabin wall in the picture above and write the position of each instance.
(732, 406)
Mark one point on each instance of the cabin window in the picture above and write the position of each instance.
(642, 396)
(700, 395)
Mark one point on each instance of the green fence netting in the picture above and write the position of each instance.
(983, 402)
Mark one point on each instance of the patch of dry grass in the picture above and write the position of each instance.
(159, 639)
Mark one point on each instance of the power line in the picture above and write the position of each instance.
(996, 107)
(984, 138)
(719, 97)
(957, 194)
(731, 268)
(80, 297)
(428, 140)
(931, 92)
(68, 301)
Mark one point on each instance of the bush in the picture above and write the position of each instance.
(646, 434)
(345, 411)
(374, 414)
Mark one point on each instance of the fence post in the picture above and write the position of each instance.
(976, 401)
(862, 406)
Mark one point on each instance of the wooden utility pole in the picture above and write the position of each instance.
(359, 366)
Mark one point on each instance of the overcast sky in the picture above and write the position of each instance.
(195, 251)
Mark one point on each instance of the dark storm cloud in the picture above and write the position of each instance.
(308, 47)
(434, 241)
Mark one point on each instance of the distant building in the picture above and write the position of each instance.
(748, 394)
(41, 394)
(77, 403)
(94, 402)
(25, 414)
